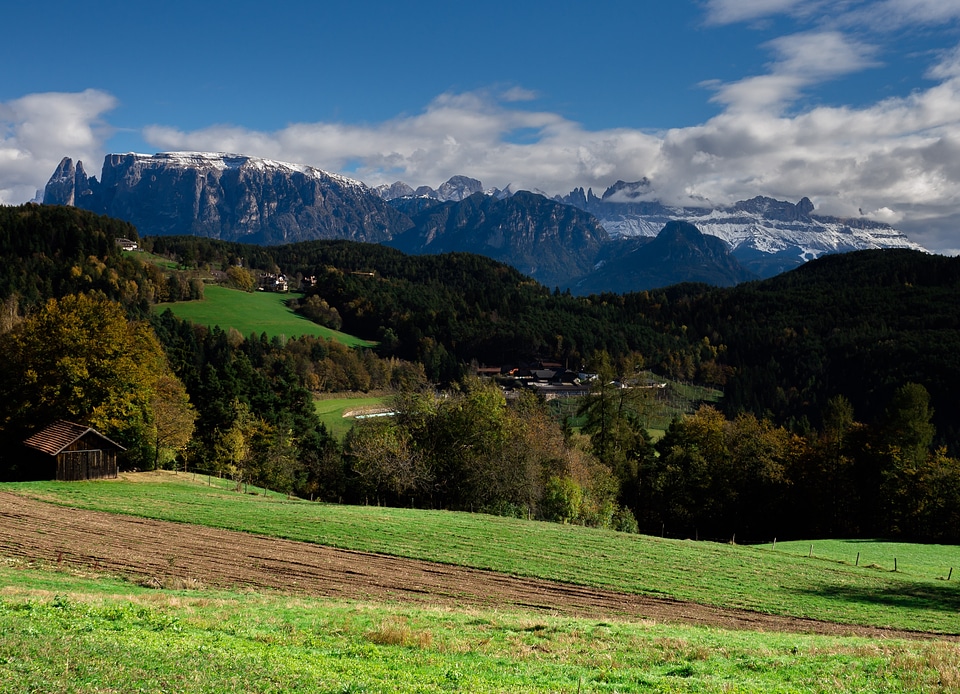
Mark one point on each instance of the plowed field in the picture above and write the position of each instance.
(145, 550)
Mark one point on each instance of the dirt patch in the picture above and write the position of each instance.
(149, 551)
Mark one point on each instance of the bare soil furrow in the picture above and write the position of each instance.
(147, 550)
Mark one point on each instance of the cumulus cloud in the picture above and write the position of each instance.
(802, 60)
(37, 130)
(467, 133)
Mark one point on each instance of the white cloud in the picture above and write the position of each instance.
(732, 11)
(518, 94)
(457, 133)
(38, 130)
(917, 11)
(802, 60)
(882, 16)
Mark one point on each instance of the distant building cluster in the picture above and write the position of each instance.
(550, 379)
(269, 282)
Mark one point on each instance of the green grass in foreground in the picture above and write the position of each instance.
(254, 313)
(60, 632)
(330, 412)
(753, 578)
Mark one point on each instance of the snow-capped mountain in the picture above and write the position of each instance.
(241, 198)
(457, 188)
(768, 236)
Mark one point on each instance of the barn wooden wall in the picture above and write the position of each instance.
(81, 462)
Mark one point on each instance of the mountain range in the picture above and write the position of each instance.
(621, 241)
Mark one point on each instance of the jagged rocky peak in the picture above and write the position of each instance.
(68, 184)
(456, 189)
(777, 209)
(392, 191)
(60, 189)
(459, 188)
(622, 191)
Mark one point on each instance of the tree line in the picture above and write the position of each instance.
(749, 479)
(871, 333)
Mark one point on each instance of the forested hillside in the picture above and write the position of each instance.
(859, 325)
(448, 310)
(839, 415)
(50, 252)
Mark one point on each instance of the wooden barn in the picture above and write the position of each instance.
(70, 452)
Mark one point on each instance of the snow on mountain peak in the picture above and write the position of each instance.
(223, 160)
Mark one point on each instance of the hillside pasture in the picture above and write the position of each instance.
(335, 413)
(254, 313)
(933, 562)
(65, 631)
(742, 577)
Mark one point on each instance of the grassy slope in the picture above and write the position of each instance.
(68, 633)
(330, 411)
(257, 312)
(779, 582)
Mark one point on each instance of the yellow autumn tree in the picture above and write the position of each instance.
(79, 358)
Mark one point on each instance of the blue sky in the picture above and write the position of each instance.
(854, 104)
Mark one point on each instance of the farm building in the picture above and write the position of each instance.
(70, 452)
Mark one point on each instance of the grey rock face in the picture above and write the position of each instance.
(459, 188)
(551, 242)
(228, 197)
(456, 189)
(393, 191)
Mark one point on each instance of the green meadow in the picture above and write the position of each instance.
(916, 597)
(254, 313)
(62, 632)
(331, 411)
(941, 562)
(79, 631)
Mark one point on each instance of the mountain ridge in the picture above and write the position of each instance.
(559, 240)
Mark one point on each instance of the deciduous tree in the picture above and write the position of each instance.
(80, 359)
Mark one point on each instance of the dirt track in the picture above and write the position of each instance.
(148, 549)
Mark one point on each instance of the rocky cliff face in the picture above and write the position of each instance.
(540, 237)
(228, 197)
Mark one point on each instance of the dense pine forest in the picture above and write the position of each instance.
(838, 416)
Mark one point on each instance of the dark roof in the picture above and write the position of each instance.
(54, 438)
